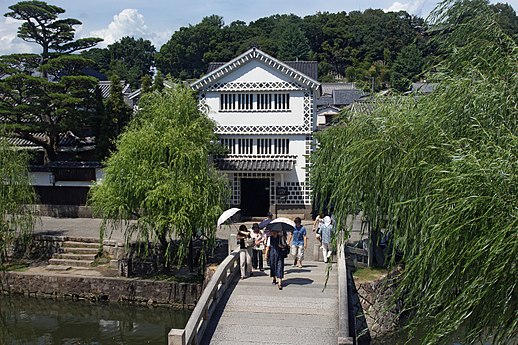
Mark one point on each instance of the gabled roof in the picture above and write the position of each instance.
(328, 110)
(329, 88)
(339, 94)
(309, 68)
(296, 71)
(106, 86)
(346, 97)
(424, 87)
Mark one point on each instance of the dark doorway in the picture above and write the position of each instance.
(255, 197)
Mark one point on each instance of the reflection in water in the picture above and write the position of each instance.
(33, 321)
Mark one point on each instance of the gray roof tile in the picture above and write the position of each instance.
(254, 164)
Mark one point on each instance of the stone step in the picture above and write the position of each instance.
(58, 268)
(76, 250)
(73, 263)
(75, 256)
(73, 244)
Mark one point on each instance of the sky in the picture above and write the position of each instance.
(157, 20)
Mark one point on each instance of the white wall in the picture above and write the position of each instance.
(235, 118)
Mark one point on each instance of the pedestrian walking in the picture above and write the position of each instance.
(257, 250)
(299, 242)
(319, 220)
(245, 249)
(275, 250)
(326, 230)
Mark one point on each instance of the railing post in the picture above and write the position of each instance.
(232, 243)
(176, 337)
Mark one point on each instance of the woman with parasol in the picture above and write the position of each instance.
(277, 247)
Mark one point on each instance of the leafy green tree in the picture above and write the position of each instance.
(407, 68)
(117, 114)
(42, 26)
(158, 82)
(16, 194)
(507, 19)
(160, 174)
(293, 44)
(146, 83)
(183, 56)
(438, 173)
(131, 58)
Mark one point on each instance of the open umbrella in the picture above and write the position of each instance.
(281, 224)
(264, 223)
(227, 214)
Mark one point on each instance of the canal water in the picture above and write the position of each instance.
(37, 321)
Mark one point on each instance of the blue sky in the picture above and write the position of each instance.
(156, 20)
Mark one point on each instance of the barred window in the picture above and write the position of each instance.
(264, 146)
(281, 146)
(230, 145)
(250, 101)
(245, 146)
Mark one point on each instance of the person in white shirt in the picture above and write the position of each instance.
(257, 250)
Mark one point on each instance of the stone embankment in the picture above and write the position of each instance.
(112, 289)
(382, 318)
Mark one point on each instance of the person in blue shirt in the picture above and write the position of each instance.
(299, 242)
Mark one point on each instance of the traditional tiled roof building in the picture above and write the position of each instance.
(265, 111)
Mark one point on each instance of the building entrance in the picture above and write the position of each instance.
(255, 197)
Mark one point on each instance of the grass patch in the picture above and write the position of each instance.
(367, 274)
(14, 266)
(101, 260)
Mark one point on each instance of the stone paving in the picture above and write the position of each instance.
(254, 311)
(89, 228)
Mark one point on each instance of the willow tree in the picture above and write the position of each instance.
(161, 176)
(440, 174)
(16, 194)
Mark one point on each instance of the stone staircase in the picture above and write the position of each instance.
(75, 254)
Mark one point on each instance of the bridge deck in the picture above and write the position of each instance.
(254, 311)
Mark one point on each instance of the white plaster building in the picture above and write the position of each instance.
(265, 112)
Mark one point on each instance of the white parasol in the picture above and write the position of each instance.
(227, 214)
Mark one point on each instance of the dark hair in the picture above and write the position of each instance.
(255, 226)
(297, 220)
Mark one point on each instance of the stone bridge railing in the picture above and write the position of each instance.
(202, 313)
(345, 331)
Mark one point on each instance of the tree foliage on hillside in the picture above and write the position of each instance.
(16, 194)
(129, 59)
(337, 41)
(160, 174)
(439, 173)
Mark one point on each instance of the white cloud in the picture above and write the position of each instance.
(10, 43)
(412, 7)
(129, 22)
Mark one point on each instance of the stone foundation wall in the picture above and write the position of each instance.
(63, 211)
(101, 289)
(382, 318)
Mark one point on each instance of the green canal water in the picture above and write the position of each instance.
(35, 321)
